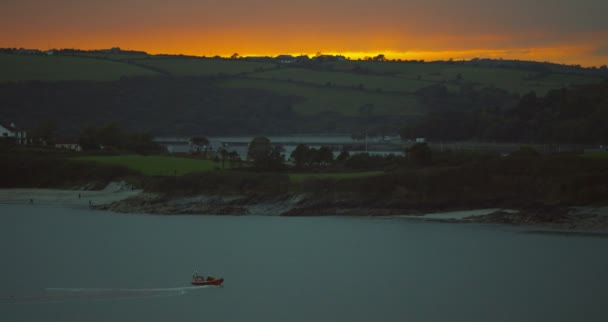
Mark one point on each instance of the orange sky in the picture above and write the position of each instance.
(547, 30)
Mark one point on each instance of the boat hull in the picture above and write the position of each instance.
(216, 282)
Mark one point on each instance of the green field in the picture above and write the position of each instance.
(512, 80)
(157, 165)
(203, 66)
(319, 99)
(368, 82)
(365, 76)
(113, 56)
(62, 68)
(597, 155)
(301, 177)
(389, 68)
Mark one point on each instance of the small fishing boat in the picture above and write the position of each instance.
(199, 280)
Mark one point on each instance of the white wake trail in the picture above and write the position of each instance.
(134, 290)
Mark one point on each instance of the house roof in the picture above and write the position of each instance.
(9, 126)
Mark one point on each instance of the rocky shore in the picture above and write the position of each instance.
(305, 205)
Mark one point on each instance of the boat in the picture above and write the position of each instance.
(210, 280)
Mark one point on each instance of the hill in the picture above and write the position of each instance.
(63, 68)
(188, 95)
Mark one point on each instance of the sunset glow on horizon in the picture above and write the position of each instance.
(555, 31)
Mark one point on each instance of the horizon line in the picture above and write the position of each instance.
(389, 55)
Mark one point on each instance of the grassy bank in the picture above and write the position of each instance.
(156, 165)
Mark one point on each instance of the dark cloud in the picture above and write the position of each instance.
(601, 50)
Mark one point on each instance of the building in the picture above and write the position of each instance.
(68, 146)
(12, 132)
(285, 59)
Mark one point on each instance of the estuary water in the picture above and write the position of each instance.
(75, 264)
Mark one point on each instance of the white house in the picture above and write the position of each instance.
(68, 146)
(12, 132)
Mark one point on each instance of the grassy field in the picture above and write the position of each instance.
(402, 77)
(301, 177)
(61, 68)
(597, 155)
(117, 57)
(512, 80)
(318, 99)
(203, 66)
(389, 68)
(157, 165)
(368, 82)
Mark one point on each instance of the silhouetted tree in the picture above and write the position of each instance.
(301, 155)
(44, 133)
(200, 142)
(343, 156)
(324, 155)
(264, 155)
(380, 57)
(419, 153)
(224, 155)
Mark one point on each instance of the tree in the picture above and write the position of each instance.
(88, 139)
(324, 155)
(419, 153)
(44, 133)
(259, 148)
(344, 155)
(264, 155)
(301, 155)
(380, 57)
(224, 155)
(111, 136)
(234, 56)
(234, 158)
(199, 142)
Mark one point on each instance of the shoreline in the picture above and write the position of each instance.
(114, 192)
(120, 198)
(302, 205)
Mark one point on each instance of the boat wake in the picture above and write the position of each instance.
(99, 294)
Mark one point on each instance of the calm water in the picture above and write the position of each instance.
(63, 264)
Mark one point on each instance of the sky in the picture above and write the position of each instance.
(562, 31)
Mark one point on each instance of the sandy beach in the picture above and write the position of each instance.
(113, 192)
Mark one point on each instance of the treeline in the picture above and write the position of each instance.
(264, 156)
(113, 137)
(169, 106)
(163, 106)
(52, 170)
(495, 182)
(511, 182)
(576, 115)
